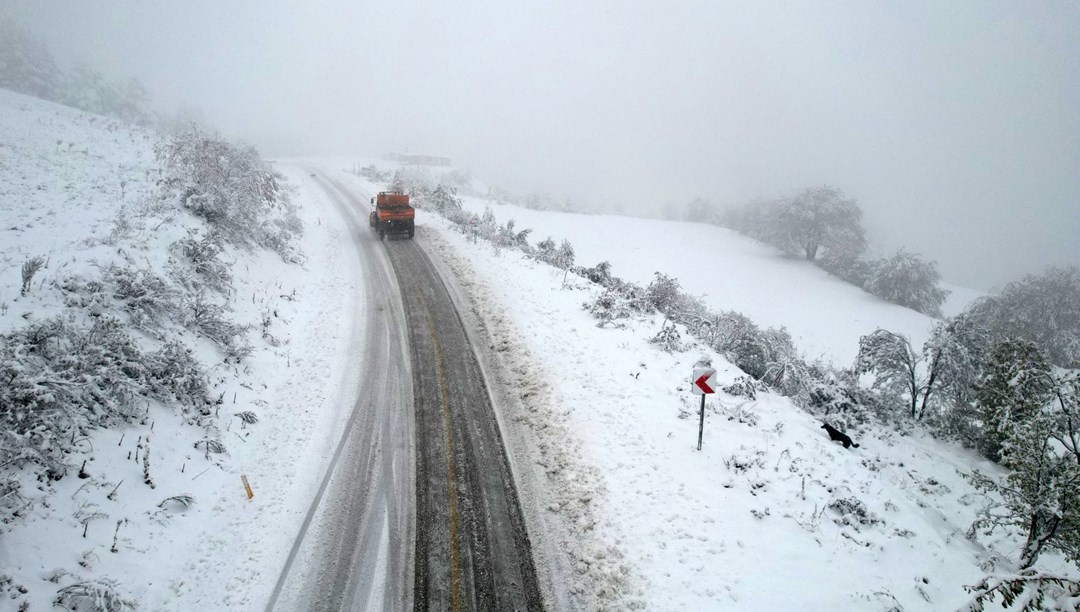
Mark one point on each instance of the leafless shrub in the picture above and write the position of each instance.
(210, 446)
(29, 269)
(1036, 589)
(208, 318)
(93, 596)
(181, 501)
(148, 298)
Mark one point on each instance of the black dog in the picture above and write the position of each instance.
(838, 436)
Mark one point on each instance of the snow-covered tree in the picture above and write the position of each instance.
(25, 63)
(663, 293)
(1016, 384)
(833, 394)
(611, 305)
(232, 189)
(907, 280)
(545, 250)
(1042, 308)
(1033, 589)
(821, 217)
(444, 199)
(599, 274)
(700, 211)
(563, 257)
(1041, 494)
(846, 265)
(669, 339)
(899, 369)
(959, 347)
(507, 237)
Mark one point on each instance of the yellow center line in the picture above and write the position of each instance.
(444, 394)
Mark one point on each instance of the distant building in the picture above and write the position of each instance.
(416, 159)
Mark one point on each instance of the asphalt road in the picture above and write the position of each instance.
(418, 508)
(472, 549)
(354, 551)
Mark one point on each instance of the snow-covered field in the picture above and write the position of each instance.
(769, 515)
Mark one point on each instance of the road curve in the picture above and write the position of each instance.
(423, 429)
(354, 550)
(472, 549)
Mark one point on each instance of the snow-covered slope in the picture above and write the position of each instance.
(770, 514)
(68, 180)
(825, 315)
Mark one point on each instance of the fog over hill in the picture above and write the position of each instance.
(953, 124)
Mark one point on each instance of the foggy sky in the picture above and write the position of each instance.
(956, 125)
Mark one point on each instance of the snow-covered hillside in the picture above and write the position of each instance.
(770, 514)
(825, 315)
(153, 516)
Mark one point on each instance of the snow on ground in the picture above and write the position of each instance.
(959, 298)
(825, 315)
(64, 177)
(770, 514)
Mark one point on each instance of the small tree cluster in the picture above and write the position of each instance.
(27, 66)
(1040, 496)
(232, 189)
(443, 199)
(669, 339)
(1041, 308)
(561, 256)
(834, 394)
(906, 280)
(147, 298)
(199, 261)
(898, 369)
(823, 226)
(817, 221)
(768, 355)
(984, 366)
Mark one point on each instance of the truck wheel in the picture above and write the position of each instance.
(411, 232)
(382, 232)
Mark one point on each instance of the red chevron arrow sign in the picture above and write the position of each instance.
(704, 381)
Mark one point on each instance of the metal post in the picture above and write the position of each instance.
(701, 425)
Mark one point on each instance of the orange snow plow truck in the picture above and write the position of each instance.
(392, 214)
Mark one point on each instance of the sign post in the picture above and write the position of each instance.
(704, 384)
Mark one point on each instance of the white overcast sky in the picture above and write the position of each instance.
(955, 124)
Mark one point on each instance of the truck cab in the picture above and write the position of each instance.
(392, 214)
